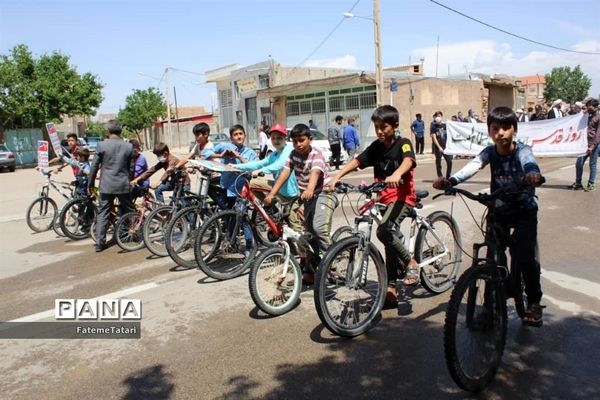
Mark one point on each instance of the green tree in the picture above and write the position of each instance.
(142, 109)
(34, 91)
(566, 84)
(94, 128)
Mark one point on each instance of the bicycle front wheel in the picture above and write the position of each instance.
(221, 249)
(475, 329)
(77, 217)
(275, 283)
(181, 234)
(350, 288)
(342, 232)
(41, 214)
(154, 228)
(129, 231)
(443, 237)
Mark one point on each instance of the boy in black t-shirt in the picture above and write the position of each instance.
(393, 161)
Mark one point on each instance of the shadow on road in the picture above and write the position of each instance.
(151, 383)
(405, 359)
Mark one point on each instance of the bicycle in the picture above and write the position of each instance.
(351, 283)
(181, 231)
(155, 224)
(220, 248)
(477, 311)
(129, 227)
(43, 209)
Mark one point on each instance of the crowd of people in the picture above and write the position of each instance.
(300, 170)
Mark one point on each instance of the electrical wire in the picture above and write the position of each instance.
(335, 28)
(512, 34)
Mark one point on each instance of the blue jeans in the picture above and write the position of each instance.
(593, 162)
(163, 187)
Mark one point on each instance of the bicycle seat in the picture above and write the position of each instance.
(421, 194)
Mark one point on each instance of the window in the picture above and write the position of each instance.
(345, 90)
(225, 98)
(416, 69)
(352, 102)
(368, 100)
(357, 89)
(238, 93)
(334, 92)
(293, 108)
(263, 81)
(318, 106)
(305, 107)
(337, 103)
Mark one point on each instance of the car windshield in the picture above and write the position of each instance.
(317, 135)
(93, 139)
(3, 147)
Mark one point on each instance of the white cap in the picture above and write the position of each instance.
(520, 110)
(579, 104)
(556, 102)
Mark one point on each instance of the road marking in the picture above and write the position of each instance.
(583, 286)
(568, 306)
(113, 295)
(568, 167)
(12, 218)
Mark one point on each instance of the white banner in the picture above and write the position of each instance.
(51, 128)
(42, 147)
(558, 137)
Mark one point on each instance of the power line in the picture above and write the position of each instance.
(512, 34)
(335, 28)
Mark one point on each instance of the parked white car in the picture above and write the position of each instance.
(320, 142)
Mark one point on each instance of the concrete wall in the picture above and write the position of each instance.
(501, 96)
(429, 95)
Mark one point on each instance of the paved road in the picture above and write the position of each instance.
(205, 340)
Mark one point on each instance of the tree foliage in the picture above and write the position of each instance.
(566, 84)
(142, 109)
(34, 91)
(94, 128)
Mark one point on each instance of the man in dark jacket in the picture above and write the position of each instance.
(115, 157)
(593, 150)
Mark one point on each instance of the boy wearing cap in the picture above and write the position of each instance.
(274, 164)
(310, 168)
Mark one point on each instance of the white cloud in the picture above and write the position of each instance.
(348, 62)
(490, 57)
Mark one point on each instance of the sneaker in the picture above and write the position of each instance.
(391, 299)
(590, 187)
(575, 186)
(533, 315)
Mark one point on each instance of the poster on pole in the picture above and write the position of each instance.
(42, 154)
(559, 137)
(53, 134)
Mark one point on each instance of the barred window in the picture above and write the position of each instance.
(305, 107)
(337, 103)
(318, 106)
(225, 98)
(368, 100)
(352, 102)
(293, 108)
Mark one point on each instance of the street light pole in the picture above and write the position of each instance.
(168, 92)
(377, 42)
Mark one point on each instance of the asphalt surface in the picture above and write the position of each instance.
(203, 339)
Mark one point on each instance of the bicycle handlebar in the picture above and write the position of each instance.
(374, 187)
(485, 198)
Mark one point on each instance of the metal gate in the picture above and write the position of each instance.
(23, 142)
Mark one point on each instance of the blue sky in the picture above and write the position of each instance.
(117, 39)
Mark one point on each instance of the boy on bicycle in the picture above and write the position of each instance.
(273, 164)
(511, 163)
(393, 161)
(310, 168)
(168, 162)
(81, 164)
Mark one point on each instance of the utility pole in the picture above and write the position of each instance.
(378, 65)
(168, 92)
(437, 56)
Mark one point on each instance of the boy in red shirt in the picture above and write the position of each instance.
(393, 161)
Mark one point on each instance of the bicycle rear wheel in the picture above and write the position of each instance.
(154, 229)
(475, 329)
(129, 231)
(272, 290)
(77, 217)
(41, 214)
(220, 249)
(181, 235)
(349, 297)
(440, 275)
